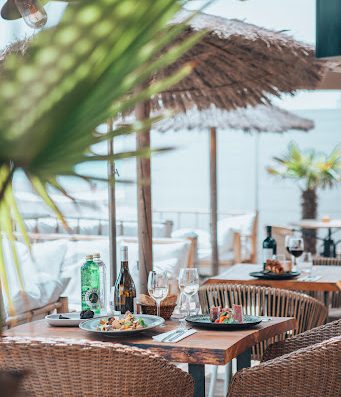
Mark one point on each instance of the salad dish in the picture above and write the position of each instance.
(126, 324)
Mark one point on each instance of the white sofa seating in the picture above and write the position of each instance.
(42, 281)
(228, 227)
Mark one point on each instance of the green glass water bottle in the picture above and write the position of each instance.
(90, 285)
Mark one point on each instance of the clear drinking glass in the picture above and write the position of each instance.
(158, 288)
(305, 263)
(189, 284)
(295, 246)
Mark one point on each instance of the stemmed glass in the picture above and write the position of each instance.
(158, 288)
(295, 246)
(189, 284)
(306, 263)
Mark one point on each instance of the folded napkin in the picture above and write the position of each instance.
(175, 337)
(309, 278)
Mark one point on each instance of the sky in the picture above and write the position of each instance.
(295, 16)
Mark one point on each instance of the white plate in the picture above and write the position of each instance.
(75, 320)
(151, 322)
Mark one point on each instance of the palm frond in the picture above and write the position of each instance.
(72, 78)
(312, 168)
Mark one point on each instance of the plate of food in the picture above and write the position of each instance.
(126, 324)
(224, 319)
(276, 270)
(69, 319)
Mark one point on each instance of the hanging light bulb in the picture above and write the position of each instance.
(32, 12)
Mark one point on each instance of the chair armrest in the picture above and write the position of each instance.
(193, 253)
(305, 339)
(312, 371)
(237, 247)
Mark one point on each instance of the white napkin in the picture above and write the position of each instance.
(162, 336)
(309, 278)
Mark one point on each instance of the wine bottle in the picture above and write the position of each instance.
(103, 282)
(125, 291)
(269, 246)
(90, 285)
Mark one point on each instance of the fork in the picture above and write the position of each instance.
(182, 328)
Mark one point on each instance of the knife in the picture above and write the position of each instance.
(175, 336)
(171, 335)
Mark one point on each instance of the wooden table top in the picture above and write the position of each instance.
(318, 224)
(240, 274)
(203, 347)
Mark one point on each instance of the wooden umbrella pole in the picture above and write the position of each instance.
(112, 209)
(144, 201)
(214, 201)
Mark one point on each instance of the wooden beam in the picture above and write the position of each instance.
(112, 210)
(214, 201)
(144, 201)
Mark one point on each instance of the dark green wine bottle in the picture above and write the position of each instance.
(125, 291)
(269, 246)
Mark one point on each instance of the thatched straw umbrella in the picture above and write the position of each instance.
(235, 64)
(261, 118)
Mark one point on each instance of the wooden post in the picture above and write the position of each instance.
(112, 210)
(144, 201)
(2, 312)
(214, 201)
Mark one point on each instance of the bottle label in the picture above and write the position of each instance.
(92, 297)
(267, 254)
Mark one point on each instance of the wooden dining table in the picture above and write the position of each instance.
(325, 279)
(205, 347)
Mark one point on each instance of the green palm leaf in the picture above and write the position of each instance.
(309, 167)
(72, 78)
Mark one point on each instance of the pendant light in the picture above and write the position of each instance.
(32, 11)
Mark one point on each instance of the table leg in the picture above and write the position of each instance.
(244, 360)
(326, 298)
(197, 371)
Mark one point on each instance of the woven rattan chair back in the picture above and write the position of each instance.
(262, 301)
(335, 297)
(79, 368)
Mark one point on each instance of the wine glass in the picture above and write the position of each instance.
(158, 288)
(306, 263)
(295, 246)
(189, 284)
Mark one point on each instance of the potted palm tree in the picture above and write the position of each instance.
(311, 170)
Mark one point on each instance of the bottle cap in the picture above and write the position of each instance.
(124, 253)
(89, 257)
(96, 255)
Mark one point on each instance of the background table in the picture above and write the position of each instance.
(330, 279)
(315, 224)
(199, 349)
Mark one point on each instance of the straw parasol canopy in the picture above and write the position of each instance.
(237, 64)
(261, 118)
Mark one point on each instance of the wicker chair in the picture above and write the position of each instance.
(335, 297)
(307, 365)
(264, 301)
(68, 368)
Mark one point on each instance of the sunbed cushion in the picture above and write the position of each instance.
(40, 288)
